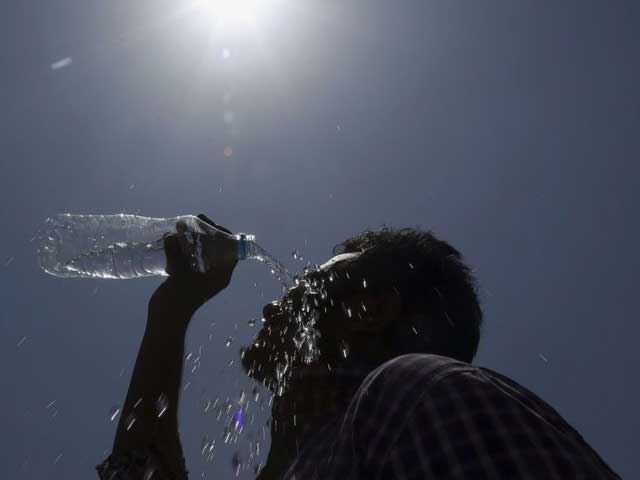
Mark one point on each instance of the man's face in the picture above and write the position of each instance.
(306, 327)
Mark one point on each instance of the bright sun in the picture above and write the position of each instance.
(238, 12)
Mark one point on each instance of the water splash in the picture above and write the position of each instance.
(302, 306)
(344, 349)
(131, 419)
(162, 404)
(278, 270)
(113, 413)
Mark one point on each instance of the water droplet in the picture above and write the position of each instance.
(543, 358)
(58, 458)
(64, 62)
(131, 419)
(22, 340)
(364, 283)
(344, 349)
(162, 404)
(449, 319)
(252, 322)
(229, 342)
(238, 420)
(113, 413)
(204, 444)
(8, 261)
(236, 462)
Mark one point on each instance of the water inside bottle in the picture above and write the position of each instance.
(125, 260)
(122, 260)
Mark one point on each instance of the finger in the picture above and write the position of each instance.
(176, 261)
(181, 226)
(206, 219)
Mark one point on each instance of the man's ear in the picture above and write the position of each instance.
(372, 313)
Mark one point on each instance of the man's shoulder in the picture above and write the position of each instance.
(402, 381)
(387, 398)
(421, 369)
(418, 375)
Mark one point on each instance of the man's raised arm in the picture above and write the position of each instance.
(147, 443)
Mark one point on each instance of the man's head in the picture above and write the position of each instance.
(384, 294)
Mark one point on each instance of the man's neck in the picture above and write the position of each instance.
(311, 402)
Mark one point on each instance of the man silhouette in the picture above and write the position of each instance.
(370, 359)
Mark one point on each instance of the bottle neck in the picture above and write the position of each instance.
(245, 246)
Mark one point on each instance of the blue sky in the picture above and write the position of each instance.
(508, 128)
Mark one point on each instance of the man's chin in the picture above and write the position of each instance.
(256, 365)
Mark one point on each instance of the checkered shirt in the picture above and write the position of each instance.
(430, 417)
(426, 417)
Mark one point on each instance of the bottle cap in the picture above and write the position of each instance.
(243, 245)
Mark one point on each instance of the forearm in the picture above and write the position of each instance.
(148, 426)
(150, 413)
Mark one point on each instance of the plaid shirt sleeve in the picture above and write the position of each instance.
(425, 416)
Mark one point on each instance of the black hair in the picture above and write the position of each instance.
(432, 281)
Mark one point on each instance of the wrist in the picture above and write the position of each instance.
(173, 300)
(184, 293)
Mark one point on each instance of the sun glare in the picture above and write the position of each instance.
(234, 12)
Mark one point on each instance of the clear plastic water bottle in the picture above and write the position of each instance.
(130, 246)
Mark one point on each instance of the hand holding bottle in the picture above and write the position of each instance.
(191, 285)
